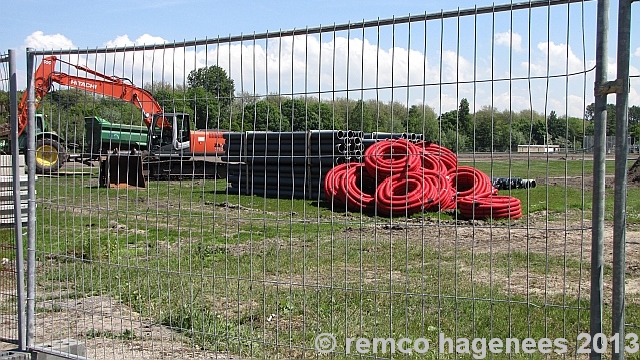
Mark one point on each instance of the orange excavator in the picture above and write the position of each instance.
(172, 146)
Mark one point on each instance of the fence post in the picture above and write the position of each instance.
(620, 189)
(599, 161)
(17, 201)
(31, 219)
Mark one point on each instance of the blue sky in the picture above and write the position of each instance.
(506, 46)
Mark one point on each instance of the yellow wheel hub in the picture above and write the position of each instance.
(46, 155)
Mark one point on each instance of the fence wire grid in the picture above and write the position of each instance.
(414, 177)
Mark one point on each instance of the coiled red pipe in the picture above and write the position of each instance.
(346, 184)
(333, 189)
(410, 178)
(391, 157)
(405, 194)
(471, 182)
(448, 158)
(446, 194)
(496, 207)
(355, 182)
(433, 162)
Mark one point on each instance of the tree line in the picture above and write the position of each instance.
(210, 98)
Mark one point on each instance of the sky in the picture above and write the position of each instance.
(525, 53)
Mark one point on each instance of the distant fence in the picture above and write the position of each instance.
(340, 206)
(610, 144)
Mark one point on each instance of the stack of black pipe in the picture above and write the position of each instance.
(287, 164)
(328, 148)
(372, 138)
(234, 156)
(276, 164)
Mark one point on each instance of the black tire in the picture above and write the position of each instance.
(50, 156)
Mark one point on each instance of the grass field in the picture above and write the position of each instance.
(262, 277)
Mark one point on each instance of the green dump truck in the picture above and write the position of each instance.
(101, 137)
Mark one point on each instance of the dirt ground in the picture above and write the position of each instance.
(102, 316)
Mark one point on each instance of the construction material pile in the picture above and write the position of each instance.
(287, 164)
(399, 177)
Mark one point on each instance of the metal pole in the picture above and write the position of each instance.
(620, 189)
(17, 201)
(599, 159)
(31, 182)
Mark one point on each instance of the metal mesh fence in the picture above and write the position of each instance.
(362, 180)
(8, 278)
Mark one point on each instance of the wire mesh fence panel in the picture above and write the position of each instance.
(8, 269)
(380, 188)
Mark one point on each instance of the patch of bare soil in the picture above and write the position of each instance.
(580, 182)
(570, 240)
(633, 174)
(111, 330)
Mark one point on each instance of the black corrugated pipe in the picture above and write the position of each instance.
(276, 135)
(274, 169)
(323, 149)
(327, 160)
(283, 160)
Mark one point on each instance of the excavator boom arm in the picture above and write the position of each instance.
(46, 76)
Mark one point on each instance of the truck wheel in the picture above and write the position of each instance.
(50, 155)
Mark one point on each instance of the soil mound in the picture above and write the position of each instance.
(633, 175)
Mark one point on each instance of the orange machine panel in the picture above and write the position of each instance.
(207, 142)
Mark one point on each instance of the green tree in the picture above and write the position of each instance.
(448, 121)
(205, 108)
(465, 119)
(590, 112)
(214, 80)
(4, 106)
(611, 117)
(634, 132)
(422, 120)
(634, 115)
(323, 112)
(265, 115)
(360, 117)
(557, 127)
(453, 140)
(298, 115)
(484, 129)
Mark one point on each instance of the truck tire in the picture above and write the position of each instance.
(50, 156)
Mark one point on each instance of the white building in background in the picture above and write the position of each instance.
(538, 148)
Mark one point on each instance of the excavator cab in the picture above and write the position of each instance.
(170, 134)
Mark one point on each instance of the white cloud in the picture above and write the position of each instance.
(38, 40)
(561, 58)
(508, 38)
(637, 53)
(557, 59)
(124, 40)
(305, 65)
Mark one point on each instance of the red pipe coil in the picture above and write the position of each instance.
(355, 182)
(445, 194)
(391, 157)
(433, 162)
(333, 189)
(448, 157)
(471, 182)
(495, 207)
(405, 194)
